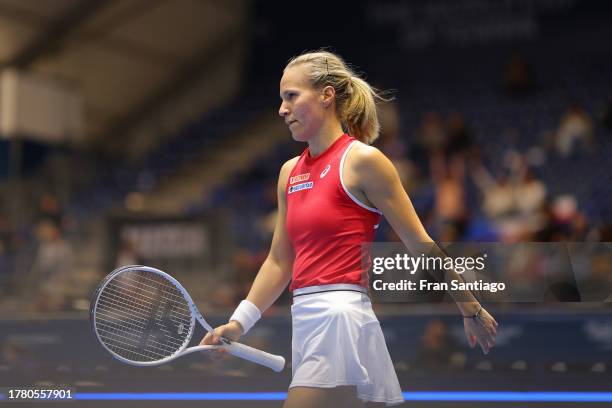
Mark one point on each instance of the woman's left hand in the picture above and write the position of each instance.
(482, 330)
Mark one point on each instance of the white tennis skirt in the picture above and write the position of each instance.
(337, 341)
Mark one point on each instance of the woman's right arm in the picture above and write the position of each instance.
(274, 274)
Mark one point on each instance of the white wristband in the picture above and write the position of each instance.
(247, 314)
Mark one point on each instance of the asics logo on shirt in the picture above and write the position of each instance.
(324, 172)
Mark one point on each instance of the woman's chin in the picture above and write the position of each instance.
(298, 137)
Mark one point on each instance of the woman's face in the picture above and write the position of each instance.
(302, 106)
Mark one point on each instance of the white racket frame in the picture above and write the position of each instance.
(274, 362)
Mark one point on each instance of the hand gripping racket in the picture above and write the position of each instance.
(144, 317)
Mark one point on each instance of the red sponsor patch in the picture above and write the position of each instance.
(299, 177)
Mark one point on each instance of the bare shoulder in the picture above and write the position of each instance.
(365, 152)
(368, 161)
(288, 166)
(285, 171)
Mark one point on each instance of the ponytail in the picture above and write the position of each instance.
(359, 111)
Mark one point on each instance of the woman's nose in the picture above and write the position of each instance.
(282, 111)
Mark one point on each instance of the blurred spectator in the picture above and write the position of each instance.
(518, 77)
(389, 141)
(392, 145)
(450, 205)
(514, 202)
(497, 192)
(18, 356)
(431, 134)
(246, 265)
(565, 208)
(459, 140)
(52, 267)
(575, 126)
(550, 230)
(128, 254)
(564, 222)
(269, 207)
(49, 208)
(223, 296)
(530, 195)
(580, 230)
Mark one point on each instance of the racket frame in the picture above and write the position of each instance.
(193, 309)
(276, 363)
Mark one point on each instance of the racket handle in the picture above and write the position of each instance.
(276, 363)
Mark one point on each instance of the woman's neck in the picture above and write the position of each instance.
(325, 138)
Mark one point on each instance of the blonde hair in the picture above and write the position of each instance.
(355, 98)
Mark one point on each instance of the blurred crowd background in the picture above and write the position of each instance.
(166, 146)
(147, 132)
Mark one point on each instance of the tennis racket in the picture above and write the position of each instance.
(145, 317)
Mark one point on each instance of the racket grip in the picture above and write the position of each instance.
(276, 363)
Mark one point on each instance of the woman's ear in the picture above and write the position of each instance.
(328, 95)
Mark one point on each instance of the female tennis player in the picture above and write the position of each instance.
(330, 201)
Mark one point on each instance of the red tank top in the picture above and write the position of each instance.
(326, 224)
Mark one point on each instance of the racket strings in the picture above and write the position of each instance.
(119, 330)
(133, 337)
(115, 298)
(142, 316)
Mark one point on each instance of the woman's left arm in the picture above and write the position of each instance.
(377, 178)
